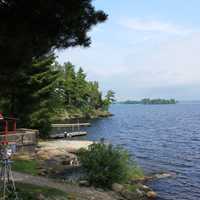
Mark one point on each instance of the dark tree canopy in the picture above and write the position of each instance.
(32, 28)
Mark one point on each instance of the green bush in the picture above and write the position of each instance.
(106, 164)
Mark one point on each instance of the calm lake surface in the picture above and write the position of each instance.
(162, 138)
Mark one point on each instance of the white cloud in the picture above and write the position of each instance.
(153, 26)
(150, 67)
(174, 63)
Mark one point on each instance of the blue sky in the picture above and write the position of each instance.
(147, 48)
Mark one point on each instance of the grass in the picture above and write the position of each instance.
(26, 166)
(30, 192)
(131, 188)
(135, 172)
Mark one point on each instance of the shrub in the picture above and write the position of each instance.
(106, 164)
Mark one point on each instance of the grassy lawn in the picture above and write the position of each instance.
(31, 192)
(26, 166)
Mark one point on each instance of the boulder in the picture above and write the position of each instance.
(144, 187)
(66, 161)
(164, 175)
(84, 183)
(151, 195)
(43, 172)
(40, 197)
(140, 193)
(100, 189)
(130, 195)
(117, 187)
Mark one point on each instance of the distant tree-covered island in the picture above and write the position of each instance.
(150, 101)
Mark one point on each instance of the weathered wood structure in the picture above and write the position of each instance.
(69, 125)
(23, 138)
(68, 135)
(10, 135)
(68, 130)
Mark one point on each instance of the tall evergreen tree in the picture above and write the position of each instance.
(69, 84)
(33, 28)
(43, 82)
(29, 30)
(109, 99)
(30, 98)
(95, 95)
(81, 89)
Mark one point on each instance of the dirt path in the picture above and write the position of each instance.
(80, 192)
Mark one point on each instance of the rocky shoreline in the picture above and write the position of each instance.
(71, 117)
(57, 159)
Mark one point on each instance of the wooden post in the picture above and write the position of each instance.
(14, 126)
(6, 132)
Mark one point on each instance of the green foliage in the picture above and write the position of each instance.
(30, 192)
(158, 101)
(81, 89)
(26, 166)
(38, 27)
(109, 99)
(150, 101)
(43, 81)
(30, 98)
(69, 83)
(106, 164)
(95, 95)
(77, 93)
(27, 74)
(48, 89)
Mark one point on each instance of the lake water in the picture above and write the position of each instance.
(163, 138)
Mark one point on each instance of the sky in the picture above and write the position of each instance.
(146, 48)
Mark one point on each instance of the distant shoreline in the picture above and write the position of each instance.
(148, 101)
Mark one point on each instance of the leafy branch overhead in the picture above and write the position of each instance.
(33, 87)
(30, 29)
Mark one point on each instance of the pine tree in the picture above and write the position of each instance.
(95, 96)
(31, 100)
(69, 84)
(81, 89)
(43, 81)
(109, 99)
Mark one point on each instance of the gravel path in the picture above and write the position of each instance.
(81, 193)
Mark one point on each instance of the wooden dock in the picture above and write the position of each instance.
(69, 125)
(68, 135)
(68, 130)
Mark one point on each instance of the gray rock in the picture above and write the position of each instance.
(100, 190)
(43, 172)
(117, 187)
(40, 197)
(140, 193)
(164, 175)
(66, 162)
(144, 187)
(129, 195)
(151, 195)
(84, 183)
